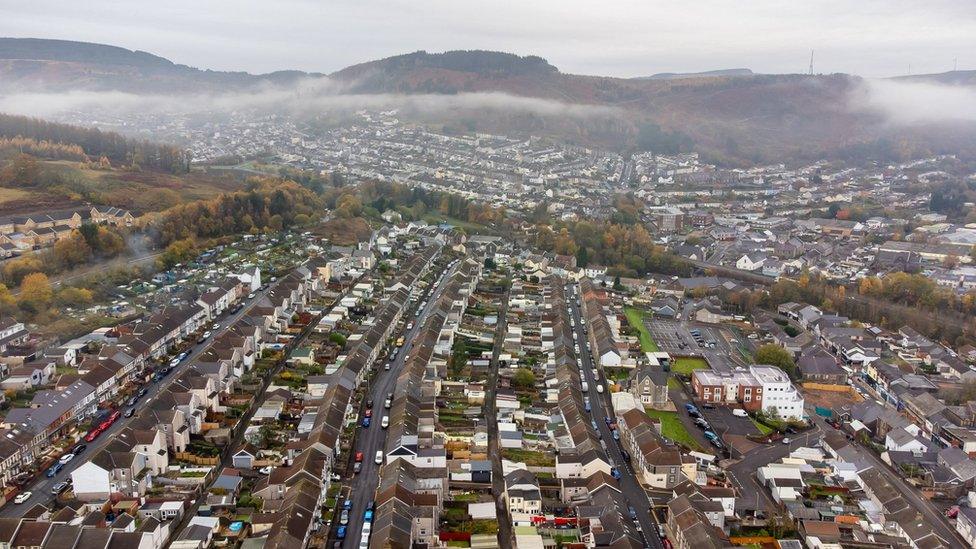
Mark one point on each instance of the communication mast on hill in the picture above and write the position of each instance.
(811, 62)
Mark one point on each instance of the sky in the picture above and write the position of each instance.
(872, 38)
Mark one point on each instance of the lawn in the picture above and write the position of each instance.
(687, 365)
(671, 427)
(635, 317)
(763, 428)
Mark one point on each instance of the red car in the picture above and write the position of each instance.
(104, 425)
(115, 415)
(359, 457)
(369, 413)
(92, 435)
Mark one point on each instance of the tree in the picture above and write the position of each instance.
(71, 296)
(35, 292)
(524, 378)
(774, 355)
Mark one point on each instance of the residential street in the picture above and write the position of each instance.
(41, 488)
(371, 439)
(632, 492)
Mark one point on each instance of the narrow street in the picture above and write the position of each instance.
(506, 535)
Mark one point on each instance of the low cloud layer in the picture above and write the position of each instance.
(316, 95)
(906, 103)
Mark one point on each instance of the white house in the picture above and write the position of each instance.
(751, 261)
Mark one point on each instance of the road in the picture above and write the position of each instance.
(373, 438)
(631, 490)
(506, 534)
(744, 470)
(41, 488)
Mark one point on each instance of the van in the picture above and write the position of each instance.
(739, 412)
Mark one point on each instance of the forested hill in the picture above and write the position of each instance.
(96, 143)
(78, 52)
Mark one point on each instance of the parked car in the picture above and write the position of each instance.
(386, 422)
(129, 412)
(347, 504)
(79, 448)
(786, 440)
(59, 487)
(379, 457)
(366, 422)
(359, 457)
(368, 515)
(344, 517)
(65, 459)
(357, 467)
(615, 473)
(54, 469)
(22, 497)
(341, 532)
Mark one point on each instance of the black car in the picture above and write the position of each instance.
(79, 448)
(143, 391)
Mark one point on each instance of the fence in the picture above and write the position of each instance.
(195, 459)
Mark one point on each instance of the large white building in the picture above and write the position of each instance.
(780, 396)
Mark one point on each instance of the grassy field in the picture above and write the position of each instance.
(635, 317)
(671, 427)
(529, 457)
(8, 194)
(687, 365)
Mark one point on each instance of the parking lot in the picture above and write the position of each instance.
(673, 337)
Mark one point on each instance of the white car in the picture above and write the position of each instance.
(379, 457)
(599, 388)
(386, 422)
(22, 497)
(250, 295)
(65, 459)
(266, 470)
(786, 440)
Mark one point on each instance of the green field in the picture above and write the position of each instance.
(687, 365)
(671, 427)
(635, 317)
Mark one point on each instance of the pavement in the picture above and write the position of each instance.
(373, 438)
(41, 487)
(631, 490)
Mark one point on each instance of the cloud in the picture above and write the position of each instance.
(905, 103)
(311, 95)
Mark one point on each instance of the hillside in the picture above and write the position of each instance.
(733, 116)
(63, 65)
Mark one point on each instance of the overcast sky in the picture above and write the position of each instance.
(610, 37)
